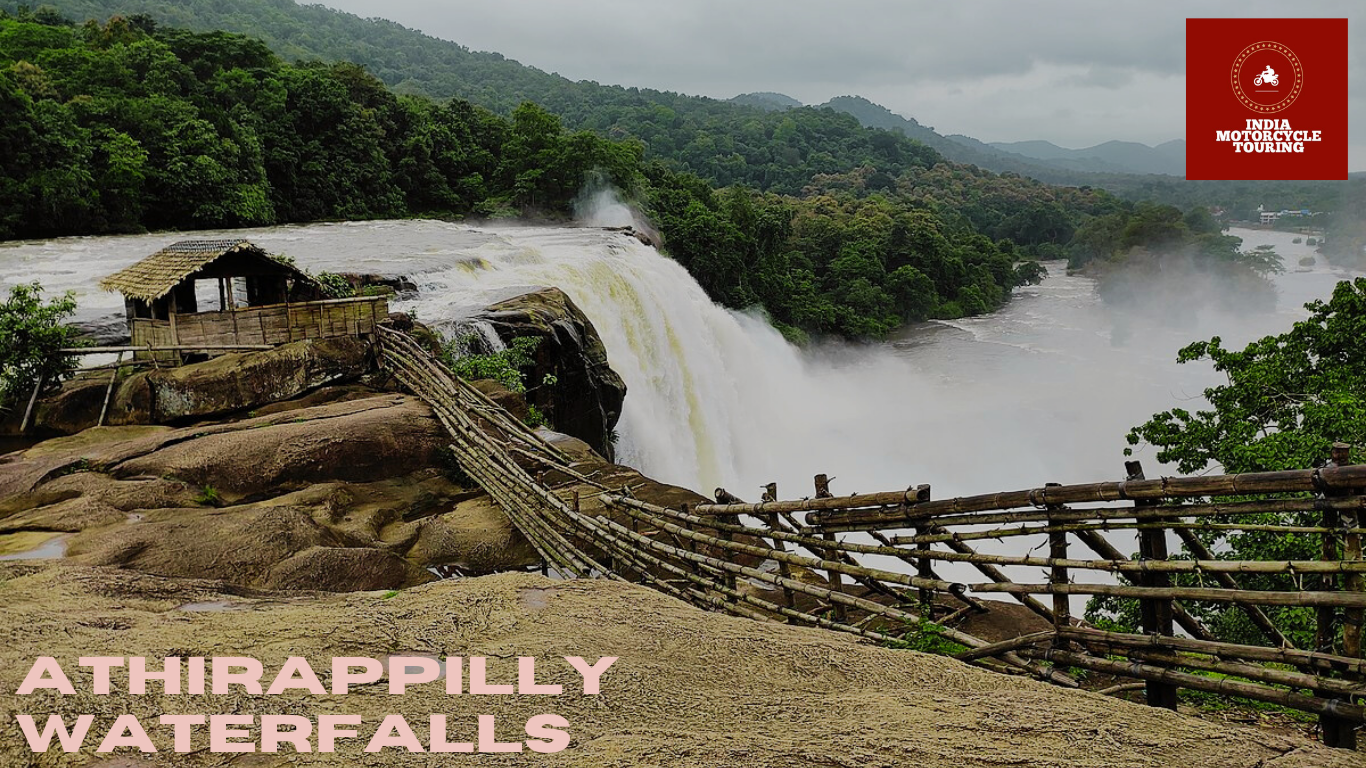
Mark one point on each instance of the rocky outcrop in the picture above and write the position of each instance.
(586, 395)
(222, 385)
(338, 497)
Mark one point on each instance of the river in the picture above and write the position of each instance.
(1043, 390)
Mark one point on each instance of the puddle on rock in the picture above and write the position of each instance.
(212, 606)
(33, 545)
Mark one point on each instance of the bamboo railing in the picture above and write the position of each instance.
(867, 564)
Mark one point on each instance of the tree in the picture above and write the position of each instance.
(32, 333)
(1287, 399)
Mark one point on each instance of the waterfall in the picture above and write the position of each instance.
(714, 397)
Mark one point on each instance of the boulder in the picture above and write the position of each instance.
(238, 382)
(341, 496)
(218, 386)
(586, 396)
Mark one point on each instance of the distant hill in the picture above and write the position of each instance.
(1110, 157)
(767, 100)
(960, 149)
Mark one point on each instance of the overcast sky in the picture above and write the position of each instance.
(1074, 72)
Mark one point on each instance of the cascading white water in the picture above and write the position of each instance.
(687, 363)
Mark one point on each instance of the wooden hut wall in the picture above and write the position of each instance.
(276, 324)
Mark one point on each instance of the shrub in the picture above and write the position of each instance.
(335, 286)
(504, 366)
(32, 333)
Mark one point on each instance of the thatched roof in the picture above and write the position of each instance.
(156, 275)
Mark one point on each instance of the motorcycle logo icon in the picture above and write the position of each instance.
(1267, 77)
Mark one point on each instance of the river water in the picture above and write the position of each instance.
(1041, 391)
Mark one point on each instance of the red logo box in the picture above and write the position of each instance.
(1266, 99)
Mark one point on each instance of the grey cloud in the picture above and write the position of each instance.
(1118, 66)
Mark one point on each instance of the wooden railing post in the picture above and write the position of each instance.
(836, 581)
(1156, 612)
(1339, 732)
(1057, 550)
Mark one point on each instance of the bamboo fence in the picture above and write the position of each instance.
(760, 561)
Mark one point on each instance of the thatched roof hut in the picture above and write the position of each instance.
(157, 275)
(259, 300)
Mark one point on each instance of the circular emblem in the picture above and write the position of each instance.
(1267, 77)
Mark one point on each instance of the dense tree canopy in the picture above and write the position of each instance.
(127, 125)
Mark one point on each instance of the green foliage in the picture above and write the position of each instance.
(1287, 399)
(507, 366)
(334, 285)
(828, 226)
(209, 495)
(927, 637)
(32, 331)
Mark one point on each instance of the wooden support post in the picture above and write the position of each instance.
(175, 332)
(32, 400)
(784, 568)
(1339, 732)
(1057, 550)
(1156, 612)
(924, 569)
(834, 578)
(108, 393)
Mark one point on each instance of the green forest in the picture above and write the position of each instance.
(128, 126)
(832, 228)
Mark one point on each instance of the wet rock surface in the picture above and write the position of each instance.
(586, 395)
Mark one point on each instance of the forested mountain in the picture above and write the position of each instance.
(725, 142)
(1110, 157)
(132, 125)
(712, 138)
(765, 100)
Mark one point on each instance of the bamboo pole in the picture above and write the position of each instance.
(829, 515)
(1255, 614)
(1062, 610)
(32, 400)
(1012, 644)
(1291, 656)
(912, 496)
(1107, 525)
(1217, 595)
(109, 391)
(1091, 514)
(1225, 686)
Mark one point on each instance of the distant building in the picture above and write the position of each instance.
(1269, 217)
(198, 295)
